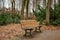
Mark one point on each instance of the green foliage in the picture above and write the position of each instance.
(40, 15)
(16, 18)
(55, 16)
(6, 18)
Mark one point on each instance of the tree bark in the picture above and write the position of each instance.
(27, 7)
(3, 5)
(59, 2)
(37, 3)
(54, 9)
(13, 5)
(22, 9)
(48, 12)
(44, 3)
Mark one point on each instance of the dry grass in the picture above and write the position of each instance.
(12, 30)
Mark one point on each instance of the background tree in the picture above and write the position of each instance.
(37, 3)
(59, 2)
(44, 3)
(3, 4)
(0, 4)
(13, 5)
(48, 12)
(25, 3)
(27, 6)
(54, 9)
(22, 9)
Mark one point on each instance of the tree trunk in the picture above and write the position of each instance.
(13, 5)
(44, 3)
(48, 12)
(37, 3)
(54, 9)
(3, 5)
(27, 7)
(22, 9)
(59, 2)
(0, 6)
(33, 4)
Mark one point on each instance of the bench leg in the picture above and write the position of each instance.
(35, 29)
(39, 29)
(25, 33)
(29, 33)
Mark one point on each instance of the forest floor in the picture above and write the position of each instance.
(15, 32)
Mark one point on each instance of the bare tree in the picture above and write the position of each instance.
(24, 3)
(48, 11)
(44, 3)
(0, 4)
(22, 9)
(59, 2)
(3, 4)
(37, 4)
(27, 6)
(13, 5)
(54, 9)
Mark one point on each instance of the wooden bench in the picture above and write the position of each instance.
(28, 31)
(30, 27)
(37, 29)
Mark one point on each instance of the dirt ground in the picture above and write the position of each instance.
(9, 32)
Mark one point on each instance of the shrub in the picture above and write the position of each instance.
(16, 18)
(3, 18)
(6, 18)
(40, 15)
(55, 16)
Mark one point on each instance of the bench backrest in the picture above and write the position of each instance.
(29, 23)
